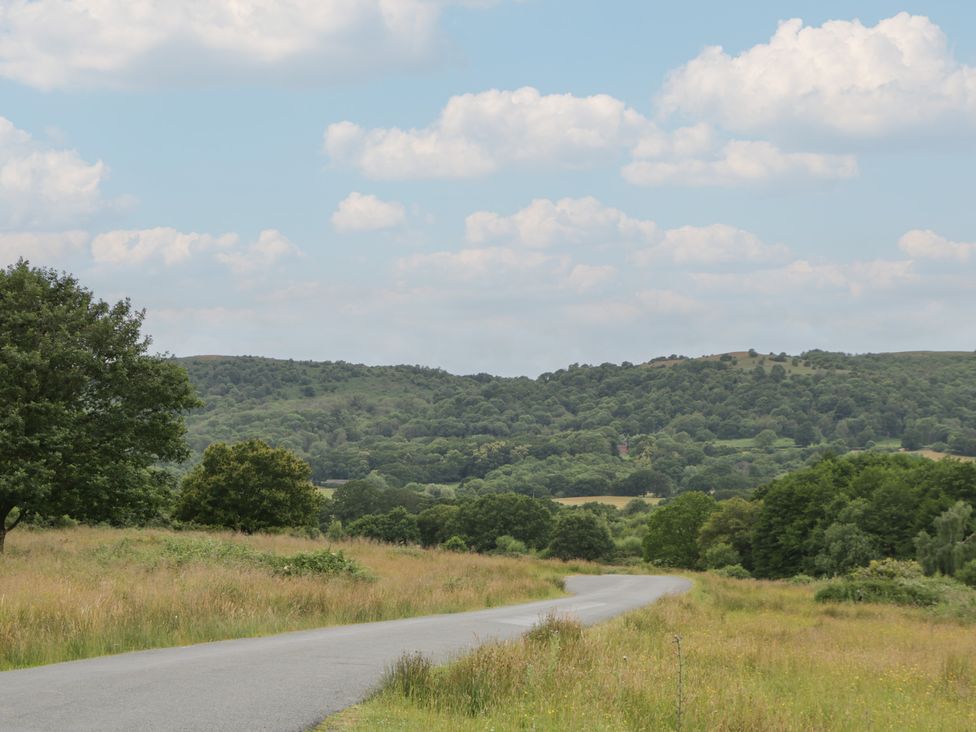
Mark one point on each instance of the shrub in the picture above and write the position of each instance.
(918, 592)
(455, 544)
(721, 555)
(506, 544)
(734, 571)
(967, 573)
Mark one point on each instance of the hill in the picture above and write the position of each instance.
(726, 422)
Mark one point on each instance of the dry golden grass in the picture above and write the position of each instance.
(936, 455)
(85, 592)
(615, 501)
(758, 656)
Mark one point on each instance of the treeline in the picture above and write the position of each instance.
(725, 424)
(824, 520)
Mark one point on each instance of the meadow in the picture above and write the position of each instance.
(81, 592)
(754, 656)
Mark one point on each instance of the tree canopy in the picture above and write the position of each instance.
(248, 487)
(85, 412)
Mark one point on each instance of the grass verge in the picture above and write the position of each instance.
(76, 593)
(756, 656)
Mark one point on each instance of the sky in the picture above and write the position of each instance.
(499, 186)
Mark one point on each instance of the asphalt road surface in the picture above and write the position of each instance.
(283, 682)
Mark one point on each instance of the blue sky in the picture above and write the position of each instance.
(499, 186)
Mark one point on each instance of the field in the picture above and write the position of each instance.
(83, 592)
(758, 656)
(615, 501)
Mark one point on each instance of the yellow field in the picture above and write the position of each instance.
(615, 501)
(934, 455)
(757, 656)
(85, 592)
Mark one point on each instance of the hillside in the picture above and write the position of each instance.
(725, 422)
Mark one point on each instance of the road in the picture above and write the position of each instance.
(283, 682)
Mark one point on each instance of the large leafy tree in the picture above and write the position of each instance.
(579, 534)
(486, 518)
(672, 530)
(248, 487)
(85, 412)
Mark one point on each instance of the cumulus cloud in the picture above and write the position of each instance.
(842, 78)
(476, 134)
(713, 244)
(41, 185)
(586, 221)
(41, 248)
(270, 246)
(926, 244)
(53, 44)
(359, 212)
(136, 246)
(544, 223)
(740, 162)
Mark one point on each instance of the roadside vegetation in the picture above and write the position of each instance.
(80, 592)
(755, 655)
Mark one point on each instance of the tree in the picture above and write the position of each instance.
(733, 524)
(437, 524)
(85, 414)
(580, 534)
(395, 527)
(953, 545)
(248, 487)
(672, 530)
(484, 519)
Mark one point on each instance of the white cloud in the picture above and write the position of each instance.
(123, 43)
(586, 221)
(270, 246)
(841, 78)
(802, 276)
(714, 244)
(42, 249)
(40, 185)
(359, 212)
(476, 134)
(135, 246)
(544, 223)
(740, 162)
(926, 244)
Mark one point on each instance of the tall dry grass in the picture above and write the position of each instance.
(758, 656)
(84, 592)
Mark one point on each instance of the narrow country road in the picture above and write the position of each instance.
(283, 682)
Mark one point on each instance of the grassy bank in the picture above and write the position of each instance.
(756, 656)
(84, 592)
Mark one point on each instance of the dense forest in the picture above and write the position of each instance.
(724, 423)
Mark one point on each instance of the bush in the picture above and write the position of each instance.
(721, 555)
(919, 592)
(629, 546)
(967, 573)
(506, 544)
(734, 571)
(395, 527)
(455, 544)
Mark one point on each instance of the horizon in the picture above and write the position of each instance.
(498, 186)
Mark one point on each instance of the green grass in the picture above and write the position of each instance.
(757, 656)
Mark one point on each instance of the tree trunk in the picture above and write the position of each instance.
(4, 512)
